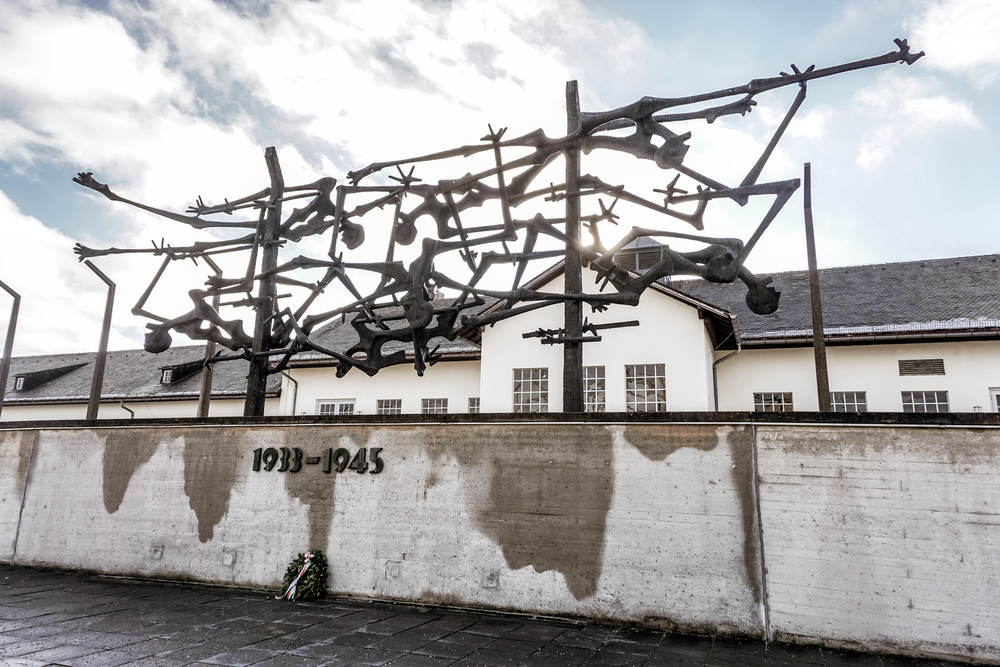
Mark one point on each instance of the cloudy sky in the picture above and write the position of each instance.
(167, 100)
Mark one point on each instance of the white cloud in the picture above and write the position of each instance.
(62, 302)
(900, 108)
(959, 36)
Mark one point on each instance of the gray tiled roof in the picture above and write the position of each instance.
(128, 375)
(954, 295)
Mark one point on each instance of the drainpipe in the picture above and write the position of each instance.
(715, 374)
(295, 396)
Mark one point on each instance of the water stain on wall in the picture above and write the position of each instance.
(548, 504)
(741, 446)
(658, 442)
(212, 461)
(125, 451)
(316, 491)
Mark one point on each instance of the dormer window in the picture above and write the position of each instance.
(175, 373)
(18, 384)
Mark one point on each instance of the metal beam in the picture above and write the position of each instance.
(267, 291)
(573, 284)
(819, 341)
(8, 344)
(94, 403)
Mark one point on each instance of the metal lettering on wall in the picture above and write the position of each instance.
(291, 459)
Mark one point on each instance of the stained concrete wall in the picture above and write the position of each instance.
(874, 536)
(883, 537)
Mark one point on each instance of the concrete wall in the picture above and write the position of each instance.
(883, 537)
(972, 369)
(458, 381)
(875, 536)
(670, 334)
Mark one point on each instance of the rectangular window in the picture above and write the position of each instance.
(921, 366)
(339, 407)
(849, 401)
(773, 402)
(389, 406)
(531, 390)
(168, 376)
(19, 384)
(646, 388)
(925, 401)
(434, 406)
(593, 388)
(474, 405)
(995, 398)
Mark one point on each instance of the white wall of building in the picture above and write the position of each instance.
(142, 410)
(458, 381)
(972, 368)
(670, 333)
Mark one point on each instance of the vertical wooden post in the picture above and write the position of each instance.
(265, 302)
(819, 342)
(573, 352)
(97, 384)
(8, 344)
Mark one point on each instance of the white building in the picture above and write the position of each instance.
(913, 336)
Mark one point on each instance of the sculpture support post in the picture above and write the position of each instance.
(94, 403)
(573, 349)
(267, 293)
(8, 344)
(819, 341)
(205, 394)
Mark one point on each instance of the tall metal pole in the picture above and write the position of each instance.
(265, 302)
(205, 395)
(819, 342)
(8, 344)
(573, 351)
(102, 351)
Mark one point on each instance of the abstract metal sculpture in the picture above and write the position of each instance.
(510, 183)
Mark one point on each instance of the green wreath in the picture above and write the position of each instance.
(313, 583)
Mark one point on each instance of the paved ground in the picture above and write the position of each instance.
(52, 618)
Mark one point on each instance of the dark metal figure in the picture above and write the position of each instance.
(284, 332)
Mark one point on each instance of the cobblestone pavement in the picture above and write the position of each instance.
(56, 618)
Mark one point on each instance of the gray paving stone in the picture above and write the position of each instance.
(241, 658)
(59, 654)
(50, 618)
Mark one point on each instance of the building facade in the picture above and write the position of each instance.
(912, 336)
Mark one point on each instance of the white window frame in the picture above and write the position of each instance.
(18, 384)
(166, 376)
(335, 406)
(995, 398)
(935, 402)
(849, 401)
(389, 406)
(474, 405)
(643, 381)
(433, 406)
(594, 389)
(530, 390)
(768, 401)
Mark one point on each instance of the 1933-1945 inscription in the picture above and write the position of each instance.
(291, 459)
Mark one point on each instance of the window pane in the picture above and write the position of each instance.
(645, 388)
(531, 390)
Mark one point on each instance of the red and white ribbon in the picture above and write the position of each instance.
(290, 593)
